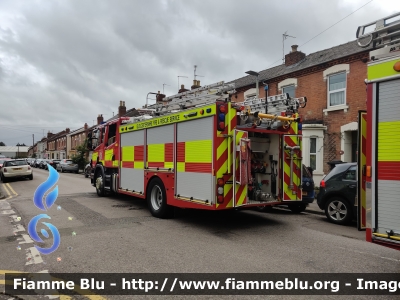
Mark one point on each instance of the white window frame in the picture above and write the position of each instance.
(283, 87)
(335, 91)
(314, 153)
(336, 69)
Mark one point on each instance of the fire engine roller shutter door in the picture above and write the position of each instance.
(132, 161)
(388, 169)
(194, 159)
(160, 141)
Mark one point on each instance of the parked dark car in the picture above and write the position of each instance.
(43, 163)
(36, 163)
(67, 165)
(337, 195)
(308, 194)
(51, 162)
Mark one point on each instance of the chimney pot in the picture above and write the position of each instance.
(121, 109)
(294, 48)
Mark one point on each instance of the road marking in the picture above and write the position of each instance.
(33, 256)
(11, 189)
(18, 228)
(26, 239)
(7, 212)
(7, 191)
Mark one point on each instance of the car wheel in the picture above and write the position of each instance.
(298, 208)
(157, 200)
(61, 170)
(338, 211)
(3, 179)
(30, 177)
(77, 172)
(99, 185)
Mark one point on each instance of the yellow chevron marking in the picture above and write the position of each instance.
(222, 148)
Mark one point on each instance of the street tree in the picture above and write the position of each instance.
(80, 157)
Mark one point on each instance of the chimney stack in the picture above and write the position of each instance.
(121, 109)
(294, 56)
(196, 84)
(49, 134)
(99, 119)
(182, 89)
(85, 126)
(159, 97)
(67, 130)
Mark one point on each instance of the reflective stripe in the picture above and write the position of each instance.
(388, 141)
(128, 153)
(383, 69)
(198, 151)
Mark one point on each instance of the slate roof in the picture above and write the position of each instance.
(310, 60)
(129, 113)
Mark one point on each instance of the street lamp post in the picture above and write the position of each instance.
(253, 73)
(147, 97)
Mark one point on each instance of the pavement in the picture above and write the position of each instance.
(313, 208)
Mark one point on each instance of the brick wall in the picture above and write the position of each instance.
(311, 83)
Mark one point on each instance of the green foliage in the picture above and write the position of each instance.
(80, 157)
(34, 155)
(2, 144)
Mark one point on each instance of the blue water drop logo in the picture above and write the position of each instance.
(45, 205)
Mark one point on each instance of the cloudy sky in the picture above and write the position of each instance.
(63, 62)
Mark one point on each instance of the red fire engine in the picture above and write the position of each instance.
(200, 150)
(379, 141)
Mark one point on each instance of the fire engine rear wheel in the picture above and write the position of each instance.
(157, 200)
(338, 211)
(99, 185)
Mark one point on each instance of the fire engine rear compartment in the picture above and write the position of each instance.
(187, 152)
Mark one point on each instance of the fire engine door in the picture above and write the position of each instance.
(292, 168)
(362, 159)
(242, 167)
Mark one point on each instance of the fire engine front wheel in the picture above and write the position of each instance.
(99, 185)
(157, 200)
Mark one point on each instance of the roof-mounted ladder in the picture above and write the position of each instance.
(196, 97)
(385, 36)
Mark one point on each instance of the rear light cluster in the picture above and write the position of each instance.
(220, 190)
(322, 183)
(221, 111)
(29, 167)
(5, 170)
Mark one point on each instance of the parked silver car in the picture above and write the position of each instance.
(67, 165)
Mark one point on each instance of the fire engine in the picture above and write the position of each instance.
(200, 150)
(379, 140)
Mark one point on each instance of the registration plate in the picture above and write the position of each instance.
(17, 169)
(304, 193)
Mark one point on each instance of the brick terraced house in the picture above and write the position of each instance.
(333, 82)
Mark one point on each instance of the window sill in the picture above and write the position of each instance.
(336, 107)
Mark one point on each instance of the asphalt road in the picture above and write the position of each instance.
(117, 234)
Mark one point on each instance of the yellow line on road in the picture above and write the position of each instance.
(5, 187)
(9, 186)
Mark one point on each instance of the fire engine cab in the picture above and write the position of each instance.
(379, 139)
(198, 149)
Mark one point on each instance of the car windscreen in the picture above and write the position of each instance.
(337, 171)
(15, 163)
(68, 162)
